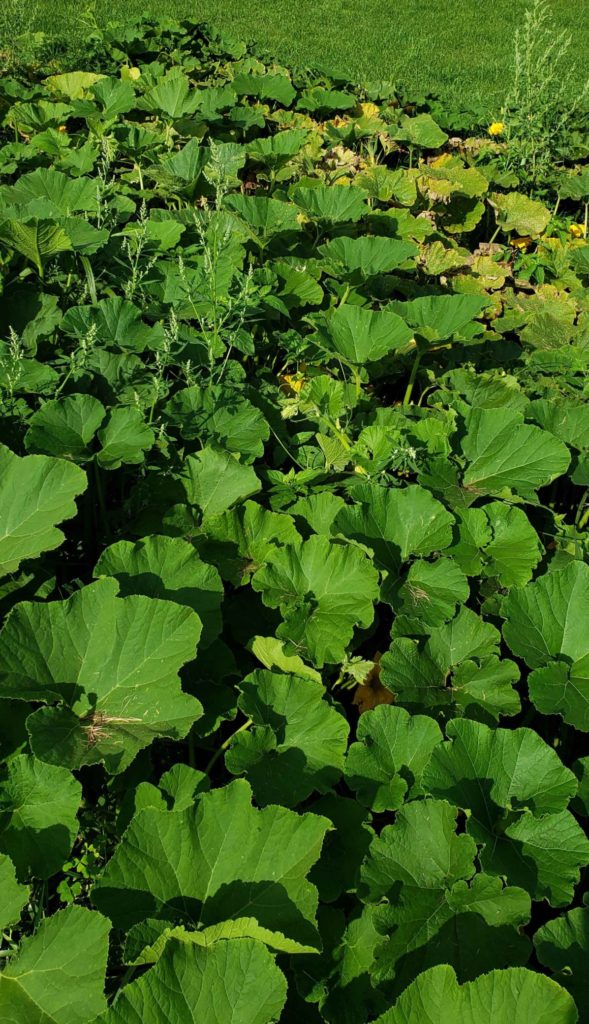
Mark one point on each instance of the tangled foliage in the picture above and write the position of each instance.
(294, 662)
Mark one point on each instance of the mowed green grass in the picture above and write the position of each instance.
(459, 49)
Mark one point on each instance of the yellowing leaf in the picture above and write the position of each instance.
(74, 84)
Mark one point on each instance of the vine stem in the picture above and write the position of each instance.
(283, 446)
(64, 382)
(342, 438)
(409, 389)
(581, 515)
(127, 977)
(344, 297)
(221, 750)
(357, 381)
(40, 908)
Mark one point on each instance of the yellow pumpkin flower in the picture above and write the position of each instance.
(578, 230)
(62, 128)
(496, 128)
(522, 243)
(291, 383)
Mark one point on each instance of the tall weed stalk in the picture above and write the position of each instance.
(547, 92)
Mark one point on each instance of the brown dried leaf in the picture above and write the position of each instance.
(372, 693)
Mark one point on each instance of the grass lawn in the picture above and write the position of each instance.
(458, 48)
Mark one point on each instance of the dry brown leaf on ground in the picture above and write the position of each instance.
(372, 693)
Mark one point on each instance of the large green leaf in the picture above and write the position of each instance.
(112, 665)
(36, 493)
(235, 980)
(114, 96)
(545, 620)
(452, 177)
(515, 790)
(57, 976)
(367, 255)
(66, 427)
(455, 670)
(430, 595)
(242, 540)
(323, 589)
(223, 418)
(172, 96)
(220, 860)
(169, 568)
(265, 216)
(514, 549)
(13, 895)
(574, 185)
(438, 317)
(299, 286)
(114, 322)
(37, 240)
(580, 259)
(296, 744)
(395, 523)
(181, 171)
(274, 149)
(84, 237)
(427, 874)
(386, 763)
(460, 215)
(125, 437)
(346, 844)
(513, 996)
(267, 87)
(47, 193)
(545, 625)
(504, 453)
(565, 419)
(320, 99)
(340, 981)
(159, 934)
(337, 205)
(363, 335)
(563, 945)
(214, 481)
(562, 689)
(38, 815)
(420, 130)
